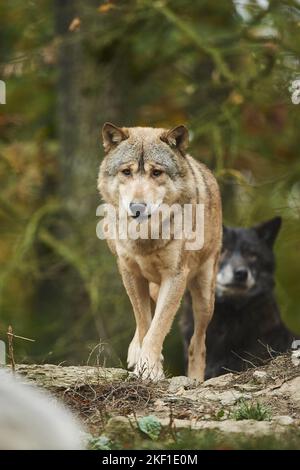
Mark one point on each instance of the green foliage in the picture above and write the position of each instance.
(219, 414)
(99, 443)
(150, 426)
(215, 440)
(255, 411)
(206, 440)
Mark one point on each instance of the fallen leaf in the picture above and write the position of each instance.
(106, 7)
(75, 24)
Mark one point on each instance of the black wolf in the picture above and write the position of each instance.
(246, 326)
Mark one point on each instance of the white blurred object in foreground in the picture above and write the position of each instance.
(31, 419)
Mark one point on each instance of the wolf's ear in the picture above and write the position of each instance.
(177, 137)
(112, 135)
(225, 230)
(268, 230)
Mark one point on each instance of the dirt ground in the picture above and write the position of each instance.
(262, 401)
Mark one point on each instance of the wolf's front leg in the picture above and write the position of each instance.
(170, 293)
(137, 288)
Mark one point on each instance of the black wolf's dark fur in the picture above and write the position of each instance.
(246, 321)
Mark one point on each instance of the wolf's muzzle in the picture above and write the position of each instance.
(240, 274)
(138, 209)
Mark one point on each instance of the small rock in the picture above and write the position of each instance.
(228, 397)
(228, 426)
(160, 405)
(296, 357)
(249, 427)
(173, 399)
(119, 429)
(246, 387)
(181, 382)
(260, 376)
(211, 396)
(283, 420)
(296, 345)
(219, 382)
(292, 389)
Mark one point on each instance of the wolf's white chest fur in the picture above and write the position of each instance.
(152, 266)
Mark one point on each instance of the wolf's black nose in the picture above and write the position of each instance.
(240, 274)
(137, 208)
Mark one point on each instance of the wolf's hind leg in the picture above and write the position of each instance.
(202, 289)
(154, 291)
(137, 288)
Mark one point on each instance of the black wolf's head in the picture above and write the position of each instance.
(247, 260)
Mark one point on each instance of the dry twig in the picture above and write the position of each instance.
(10, 337)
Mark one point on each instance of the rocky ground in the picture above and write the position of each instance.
(257, 408)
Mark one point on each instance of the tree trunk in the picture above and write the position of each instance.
(89, 93)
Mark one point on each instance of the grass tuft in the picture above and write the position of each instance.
(251, 411)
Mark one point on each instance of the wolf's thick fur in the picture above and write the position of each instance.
(146, 166)
(246, 326)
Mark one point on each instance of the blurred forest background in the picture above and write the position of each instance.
(223, 68)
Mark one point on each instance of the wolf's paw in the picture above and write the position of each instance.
(149, 370)
(134, 352)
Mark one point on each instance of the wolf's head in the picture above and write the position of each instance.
(247, 260)
(143, 168)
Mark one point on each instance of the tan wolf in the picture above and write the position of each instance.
(145, 168)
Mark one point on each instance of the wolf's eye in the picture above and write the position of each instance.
(156, 173)
(126, 172)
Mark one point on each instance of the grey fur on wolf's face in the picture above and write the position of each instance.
(144, 167)
(247, 260)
